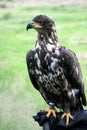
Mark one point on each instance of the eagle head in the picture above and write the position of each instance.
(41, 23)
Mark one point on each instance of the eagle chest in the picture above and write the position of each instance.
(48, 72)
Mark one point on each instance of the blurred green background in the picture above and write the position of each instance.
(18, 99)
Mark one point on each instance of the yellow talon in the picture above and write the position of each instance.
(50, 112)
(68, 116)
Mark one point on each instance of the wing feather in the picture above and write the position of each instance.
(72, 71)
(31, 67)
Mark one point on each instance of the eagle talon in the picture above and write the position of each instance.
(50, 112)
(68, 116)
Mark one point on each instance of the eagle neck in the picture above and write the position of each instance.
(48, 40)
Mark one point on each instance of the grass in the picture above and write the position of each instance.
(18, 99)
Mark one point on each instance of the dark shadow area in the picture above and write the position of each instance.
(78, 123)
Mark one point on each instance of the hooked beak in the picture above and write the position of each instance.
(34, 25)
(29, 26)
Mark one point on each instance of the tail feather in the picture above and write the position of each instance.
(79, 102)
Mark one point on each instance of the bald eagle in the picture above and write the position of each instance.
(54, 70)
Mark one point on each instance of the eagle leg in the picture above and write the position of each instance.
(68, 116)
(51, 110)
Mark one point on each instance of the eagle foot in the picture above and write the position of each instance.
(50, 112)
(68, 116)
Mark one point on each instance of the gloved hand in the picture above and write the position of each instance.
(78, 123)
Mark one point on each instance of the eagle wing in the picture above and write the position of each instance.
(30, 60)
(72, 71)
(31, 67)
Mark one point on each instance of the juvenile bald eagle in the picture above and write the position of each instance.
(54, 70)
